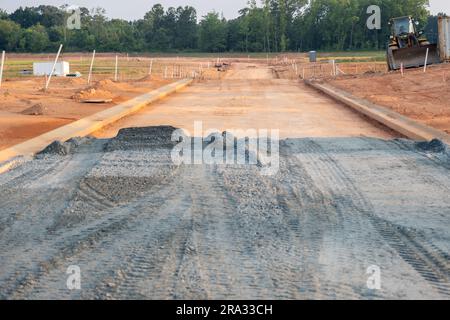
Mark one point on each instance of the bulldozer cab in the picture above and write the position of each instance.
(403, 26)
(404, 32)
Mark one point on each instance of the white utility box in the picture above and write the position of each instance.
(45, 68)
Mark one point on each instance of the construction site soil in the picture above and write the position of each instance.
(424, 97)
(26, 111)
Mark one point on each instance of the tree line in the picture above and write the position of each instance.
(264, 26)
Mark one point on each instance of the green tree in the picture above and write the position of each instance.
(3, 15)
(156, 35)
(213, 33)
(26, 17)
(50, 16)
(36, 39)
(263, 25)
(186, 35)
(10, 33)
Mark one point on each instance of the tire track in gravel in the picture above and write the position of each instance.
(65, 243)
(323, 217)
(26, 239)
(270, 240)
(154, 248)
(10, 195)
(205, 268)
(193, 260)
(430, 262)
(213, 232)
(111, 245)
(161, 255)
(26, 173)
(56, 183)
(34, 215)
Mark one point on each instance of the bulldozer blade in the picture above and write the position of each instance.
(414, 57)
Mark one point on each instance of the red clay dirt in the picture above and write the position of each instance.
(60, 105)
(424, 97)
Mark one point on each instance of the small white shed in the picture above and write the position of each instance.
(45, 68)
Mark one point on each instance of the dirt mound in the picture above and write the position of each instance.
(92, 93)
(102, 89)
(36, 110)
(107, 84)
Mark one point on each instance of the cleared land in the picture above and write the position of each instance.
(249, 96)
(424, 97)
(26, 111)
(139, 226)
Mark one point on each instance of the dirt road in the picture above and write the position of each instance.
(248, 96)
(139, 226)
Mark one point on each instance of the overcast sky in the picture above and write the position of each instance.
(135, 9)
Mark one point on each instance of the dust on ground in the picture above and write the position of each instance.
(424, 97)
(140, 227)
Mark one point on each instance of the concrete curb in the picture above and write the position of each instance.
(391, 119)
(86, 126)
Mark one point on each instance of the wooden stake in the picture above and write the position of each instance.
(151, 67)
(1, 67)
(90, 68)
(47, 83)
(426, 61)
(117, 65)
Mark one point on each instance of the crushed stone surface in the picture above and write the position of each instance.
(141, 227)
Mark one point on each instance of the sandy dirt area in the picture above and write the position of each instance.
(249, 97)
(424, 97)
(60, 105)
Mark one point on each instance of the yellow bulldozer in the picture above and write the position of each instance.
(409, 47)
